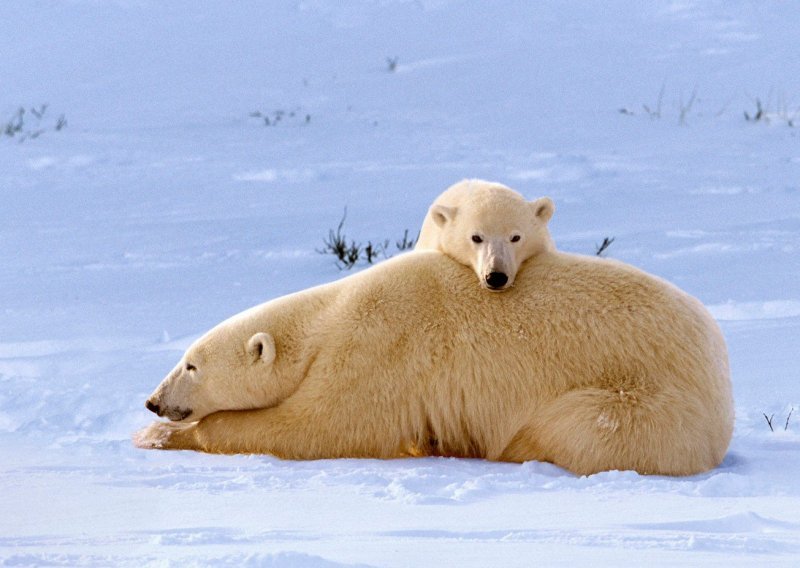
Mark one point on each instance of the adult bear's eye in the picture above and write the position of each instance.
(477, 239)
(190, 367)
(515, 239)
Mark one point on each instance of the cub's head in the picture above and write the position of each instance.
(489, 227)
(223, 370)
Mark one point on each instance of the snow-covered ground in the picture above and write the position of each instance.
(163, 206)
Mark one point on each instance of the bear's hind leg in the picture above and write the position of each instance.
(595, 429)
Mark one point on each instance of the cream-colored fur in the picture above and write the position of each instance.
(254, 359)
(489, 227)
(586, 363)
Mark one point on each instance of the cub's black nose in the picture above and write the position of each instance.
(153, 407)
(496, 280)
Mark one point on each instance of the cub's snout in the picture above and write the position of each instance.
(496, 280)
(489, 227)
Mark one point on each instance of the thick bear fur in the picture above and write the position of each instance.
(587, 363)
(489, 227)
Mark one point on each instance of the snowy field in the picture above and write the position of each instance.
(146, 203)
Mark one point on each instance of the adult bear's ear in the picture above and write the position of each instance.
(443, 215)
(261, 347)
(543, 208)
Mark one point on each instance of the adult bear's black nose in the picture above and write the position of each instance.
(496, 280)
(153, 407)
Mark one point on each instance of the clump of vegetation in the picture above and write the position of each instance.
(348, 252)
(655, 112)
(336, 244)
(782, 114)
(405, 243)
(757, 116)
(685, 107)
(600, 249)
(780, 110)
(772, 416)
(275, 117)
(29, 124)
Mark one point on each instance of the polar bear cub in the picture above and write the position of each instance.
(489, 227)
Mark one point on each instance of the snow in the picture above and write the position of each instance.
(164, 206)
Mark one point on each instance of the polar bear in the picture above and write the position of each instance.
(587, 363)
(489, 227)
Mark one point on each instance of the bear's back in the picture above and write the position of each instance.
(567, 317)
(465, 366)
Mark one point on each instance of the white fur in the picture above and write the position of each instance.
(587, 363)
(510, 229)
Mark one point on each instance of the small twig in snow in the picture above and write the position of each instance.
(685, 108)
(601, 248)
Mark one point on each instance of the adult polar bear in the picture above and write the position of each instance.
(586, 363)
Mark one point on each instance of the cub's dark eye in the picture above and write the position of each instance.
(190, 367)
(515, 239)
(477, 239)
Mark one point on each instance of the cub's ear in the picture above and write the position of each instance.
(261, 347)
(543, 208)
(443, 215)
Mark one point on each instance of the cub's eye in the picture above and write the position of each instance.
(190, 367)
(477, 239)
(515, 238)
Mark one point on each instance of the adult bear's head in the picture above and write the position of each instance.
(232, 367)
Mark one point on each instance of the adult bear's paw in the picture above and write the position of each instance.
(162, 436)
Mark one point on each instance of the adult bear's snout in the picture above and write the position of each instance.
(153, 407)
